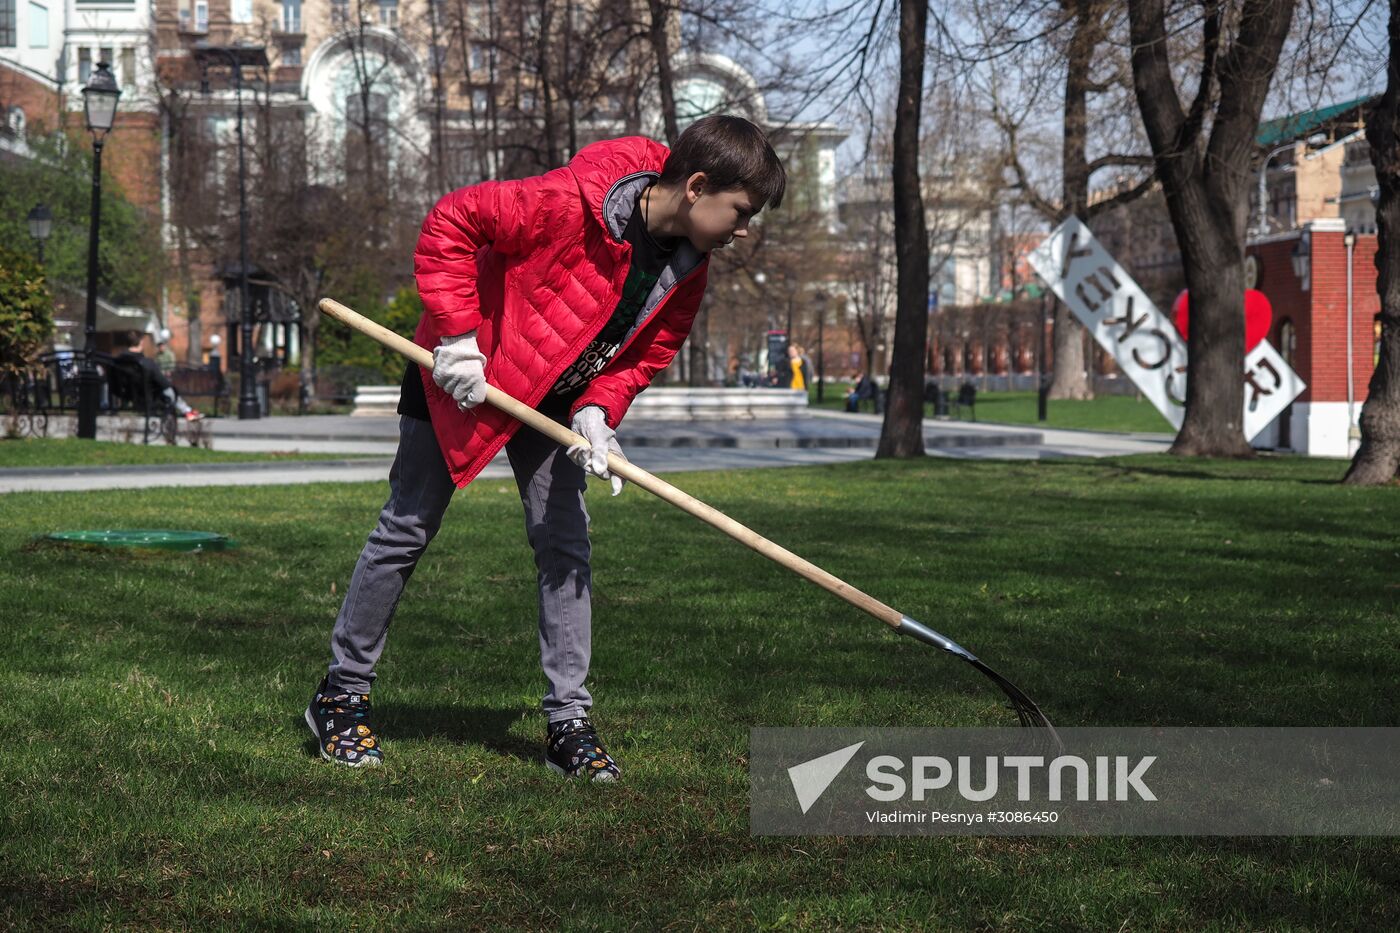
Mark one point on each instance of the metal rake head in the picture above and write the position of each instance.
(1025, 708)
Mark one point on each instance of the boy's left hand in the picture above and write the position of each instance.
(593, 456)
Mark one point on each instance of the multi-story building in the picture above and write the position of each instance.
(423, 95)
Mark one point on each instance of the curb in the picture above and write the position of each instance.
(183, 468)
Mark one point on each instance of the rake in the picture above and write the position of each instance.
(1027, 712)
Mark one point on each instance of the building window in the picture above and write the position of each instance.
(527, 100)
(291, 16)
(479, 99)
(104, 54)
(478, 56)
(201, 16)
(128, 68)
(242, 11)
(13, 123)
(340, 13)
(389, 13)
(291, 55)
(84, 63)
(38, 26)
(7, 24)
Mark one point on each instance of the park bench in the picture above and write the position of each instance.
(128, 390)
(200, 382)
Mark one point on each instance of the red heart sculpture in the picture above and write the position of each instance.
(1258, 316)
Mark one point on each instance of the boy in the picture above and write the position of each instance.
(569, 291)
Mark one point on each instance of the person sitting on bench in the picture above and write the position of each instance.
(129, 353)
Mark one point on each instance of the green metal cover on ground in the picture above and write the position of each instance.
(147, 538)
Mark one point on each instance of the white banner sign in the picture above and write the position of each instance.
(1269, 385)
(1143, 341)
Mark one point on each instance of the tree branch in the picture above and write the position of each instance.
(1028, 192)
(1118, 200)
(1153, 85)
(1192, 127)
(1104, 161)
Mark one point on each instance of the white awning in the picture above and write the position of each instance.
(72, 311)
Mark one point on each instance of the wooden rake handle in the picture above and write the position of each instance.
(630, 472)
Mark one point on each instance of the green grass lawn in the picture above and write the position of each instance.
(157, 772)
(69, 451)
(1123, 413)
(1105, 413)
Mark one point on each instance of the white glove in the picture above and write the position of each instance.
(593, 456)
(459, 369)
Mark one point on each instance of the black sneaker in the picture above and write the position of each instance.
(344, 727)
(572, 749)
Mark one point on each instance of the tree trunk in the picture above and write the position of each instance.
(1070, 379)
(1214, 421)
(546, 99)
(1378, 459)
(902, 433)
(1070, 375)
(1204, 176)
(311, 326)
(697, 341)
(439, 174)
(660, 46)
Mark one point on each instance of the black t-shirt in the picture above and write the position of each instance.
(649, 258)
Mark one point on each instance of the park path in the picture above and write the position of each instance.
(657, 446)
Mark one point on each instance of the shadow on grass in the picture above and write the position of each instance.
(486, 726)
(1248, 469)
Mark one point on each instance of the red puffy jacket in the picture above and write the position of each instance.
(536, 268)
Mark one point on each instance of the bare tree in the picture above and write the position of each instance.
(1204, 155)
(1378, 458)
(1079, 36)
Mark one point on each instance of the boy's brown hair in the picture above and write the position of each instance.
(733, 154)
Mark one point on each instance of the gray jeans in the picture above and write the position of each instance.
(556, 523)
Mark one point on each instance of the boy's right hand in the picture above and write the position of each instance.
(459, 369)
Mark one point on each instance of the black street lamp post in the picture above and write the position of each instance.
(821, 344)
(1043, 390)
(99, 110)
(40, 226)
(235, 57)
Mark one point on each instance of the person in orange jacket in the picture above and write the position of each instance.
(569, 291)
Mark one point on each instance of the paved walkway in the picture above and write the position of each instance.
(343, 434)
(657, 446)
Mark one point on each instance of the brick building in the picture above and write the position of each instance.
(1304, 273)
